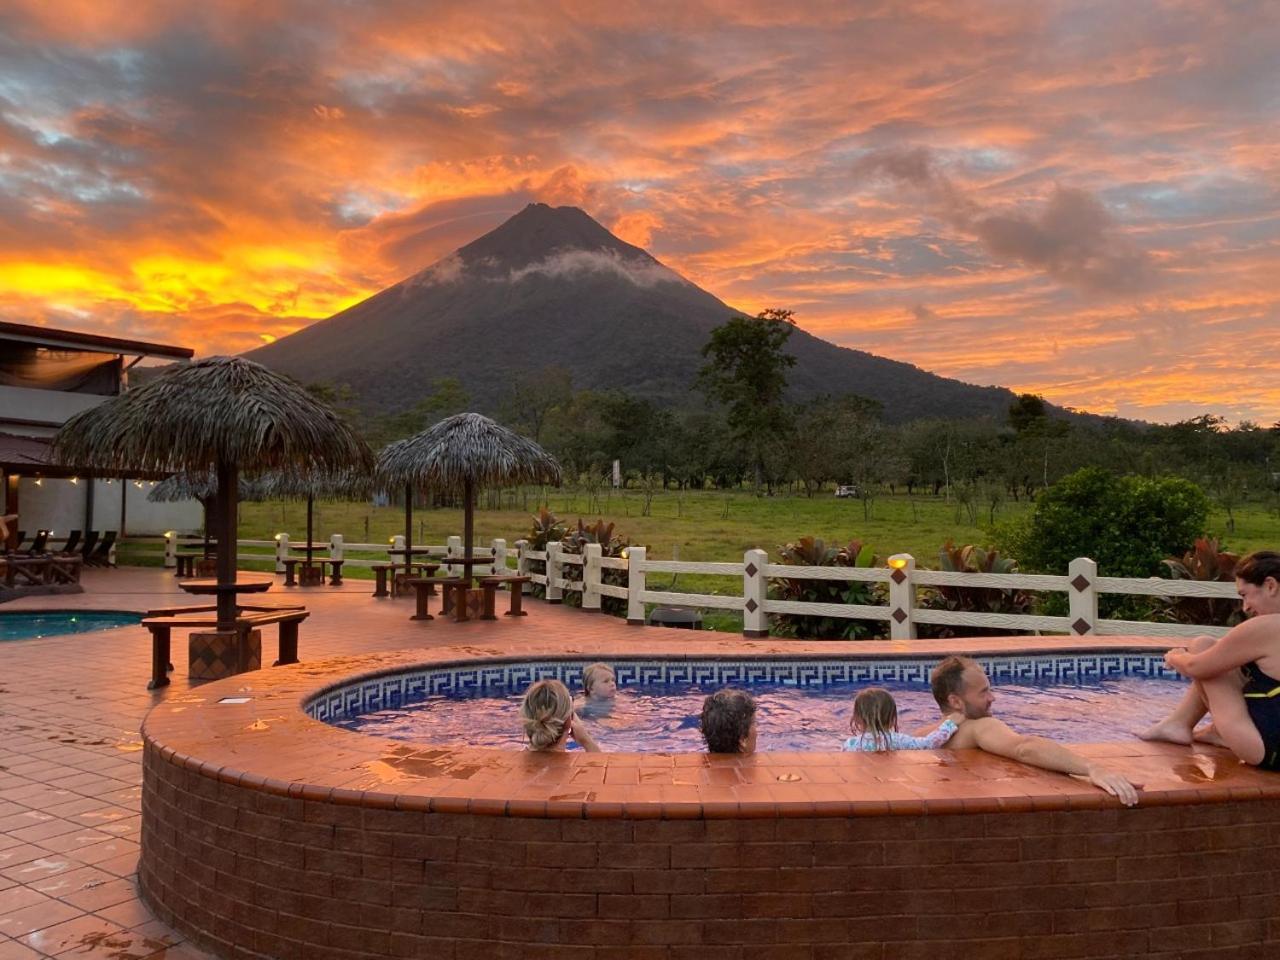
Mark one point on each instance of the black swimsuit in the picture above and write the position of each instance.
(1262, 697)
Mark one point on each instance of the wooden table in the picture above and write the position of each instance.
(210, 587)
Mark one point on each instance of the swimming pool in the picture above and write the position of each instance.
(33, 625)
(803, 705)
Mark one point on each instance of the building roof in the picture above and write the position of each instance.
(29, 456)
(72, 340)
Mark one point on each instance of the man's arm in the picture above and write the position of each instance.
(993, 736)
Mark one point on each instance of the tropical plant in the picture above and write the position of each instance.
(966, 599)
(547, 528)
(611, 545)
(814, 552)
(1206, 561)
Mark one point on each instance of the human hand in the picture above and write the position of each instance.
(955, 717)
(1114, 784)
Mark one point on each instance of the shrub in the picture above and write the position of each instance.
(813, 552)
(611, 545)
(973, 559)
(1128, 525)
(1205, 562)
(547, 528)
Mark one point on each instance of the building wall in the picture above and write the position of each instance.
(59, 505)
(54, 406)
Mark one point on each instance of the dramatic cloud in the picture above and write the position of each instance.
(1077, 198)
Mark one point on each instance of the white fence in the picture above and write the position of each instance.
(1082, 585)
(584, 574)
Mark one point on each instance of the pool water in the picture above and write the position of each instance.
(663, 718)
(33, 626)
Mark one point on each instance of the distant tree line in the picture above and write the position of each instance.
(749, 432)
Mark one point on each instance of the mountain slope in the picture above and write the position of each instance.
(551, 287)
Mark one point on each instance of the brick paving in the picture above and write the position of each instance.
(70, 772)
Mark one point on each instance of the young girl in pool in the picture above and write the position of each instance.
(874, 725)
(549, 721)
(599, 690)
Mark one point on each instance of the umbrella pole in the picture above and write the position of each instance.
(310, 502)
(408, 528)
(468, 519)
(225, 519)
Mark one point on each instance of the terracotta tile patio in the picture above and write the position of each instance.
(70, 773)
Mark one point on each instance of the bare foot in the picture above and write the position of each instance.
(1208, 734)
(1168, 731)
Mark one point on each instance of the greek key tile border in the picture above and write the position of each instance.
(397, 690)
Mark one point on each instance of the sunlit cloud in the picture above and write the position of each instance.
(1077, 199)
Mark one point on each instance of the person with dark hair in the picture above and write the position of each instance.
(960, 685)
(1234, 678)
(729, 722)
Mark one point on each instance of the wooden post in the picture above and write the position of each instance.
(755, 622)
(336, 546)
(635, 585)
(499, 548)
(1082, 596)
(170, 549)
(591, 576)
(522, 562)
(902, 597)
(453, 548)
(555, 571)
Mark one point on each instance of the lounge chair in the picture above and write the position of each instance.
(73, 541)
(41, 543)
(101, 556)
(90, 541)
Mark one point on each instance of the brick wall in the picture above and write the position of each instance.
(247, 874)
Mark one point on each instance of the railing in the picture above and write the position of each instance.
(584, 574)
(1081, 583)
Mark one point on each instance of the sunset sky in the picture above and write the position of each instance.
(1076, 199)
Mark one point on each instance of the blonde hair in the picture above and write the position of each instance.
(592, 674)
(876, 714)
(546, 710)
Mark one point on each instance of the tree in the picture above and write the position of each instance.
(1026, 410)
(534, 396)
(746, 370)
(446, 398)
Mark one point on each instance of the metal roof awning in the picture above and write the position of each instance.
(29, 456)
(72, 340)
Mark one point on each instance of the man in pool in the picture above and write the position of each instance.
(960, 685)
(729, 722)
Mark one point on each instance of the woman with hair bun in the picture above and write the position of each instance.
(549, 720)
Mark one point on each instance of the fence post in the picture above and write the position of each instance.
(635, 585)
(591, 576)
(902, 597)
(1082, 596)
(522, 562)
(170, 549)
(555, 594)
(499, 548)
(336, 546)
(755, 622)
(452, 548)
(282, 551)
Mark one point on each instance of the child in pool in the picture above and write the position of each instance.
(874, 725)
(599, 690)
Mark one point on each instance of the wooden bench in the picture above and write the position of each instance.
(161, 622)
(291, 565)
(424, 588)
(381, 572)
(491, 585)
(453, 592)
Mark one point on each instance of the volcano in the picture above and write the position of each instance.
(552, 287)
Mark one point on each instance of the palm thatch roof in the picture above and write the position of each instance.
(202, 487)
(466, 449)
(221, 409)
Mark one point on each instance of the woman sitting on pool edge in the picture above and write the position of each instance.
(1234, 678)
(549, 720)
(599, 690)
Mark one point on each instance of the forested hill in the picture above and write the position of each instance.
(552, 287)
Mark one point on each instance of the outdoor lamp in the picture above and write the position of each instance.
(898, 560)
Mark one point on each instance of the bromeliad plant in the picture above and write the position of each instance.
(547, 528)
(611, 545)
(814, 552)
(1206, 561)
(973, 559)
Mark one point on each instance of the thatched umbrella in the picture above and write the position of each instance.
(203, 487)
(223, 414)
(458, 454)
(343, 485)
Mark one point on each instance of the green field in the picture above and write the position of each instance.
(705, 525)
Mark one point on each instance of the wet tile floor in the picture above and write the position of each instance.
(70, 774)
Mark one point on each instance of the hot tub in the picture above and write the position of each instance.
(270, 830)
